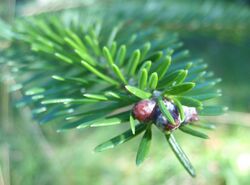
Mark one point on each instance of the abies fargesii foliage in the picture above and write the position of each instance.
(80, 74)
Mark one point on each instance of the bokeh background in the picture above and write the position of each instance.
(37, 155)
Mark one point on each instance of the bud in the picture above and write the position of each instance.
(143, 111)
(191, 114)
(162, 122)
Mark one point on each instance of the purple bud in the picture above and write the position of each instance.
(162, 122)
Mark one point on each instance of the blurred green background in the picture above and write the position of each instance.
(34, 155)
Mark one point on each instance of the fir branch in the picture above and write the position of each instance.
(109, 74)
